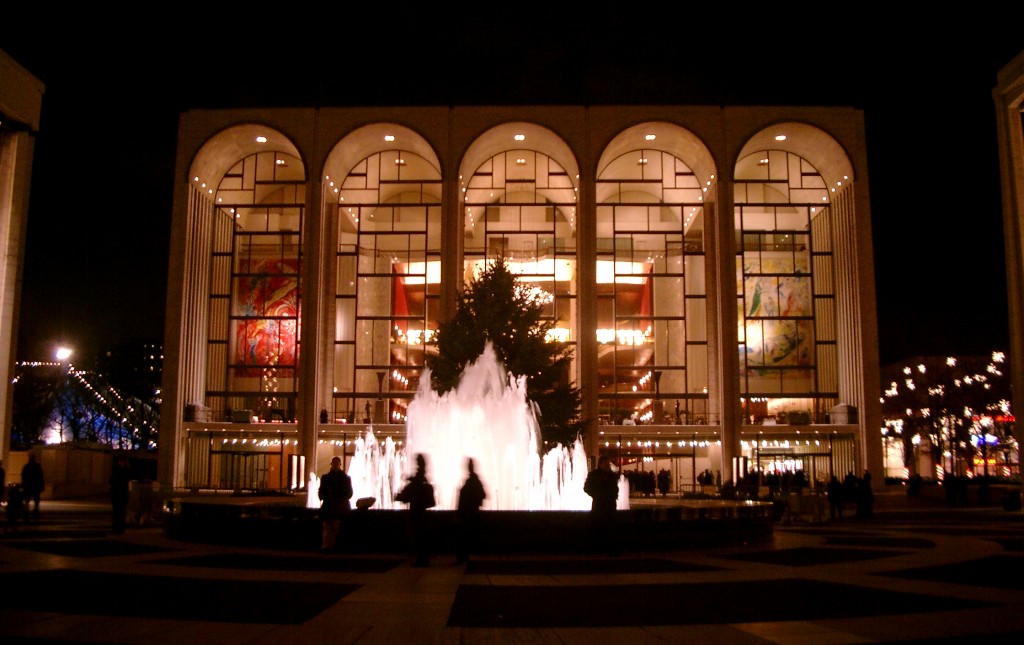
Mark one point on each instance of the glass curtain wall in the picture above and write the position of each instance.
(651, 291)
(387, 285)
(785, 286)
(253, 339)
(521, 205)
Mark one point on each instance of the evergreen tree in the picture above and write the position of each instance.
(495, 306)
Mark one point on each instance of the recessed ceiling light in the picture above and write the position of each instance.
(520, 137)
(780, 137)
(651, 137)
(389, 137)
(261, 139)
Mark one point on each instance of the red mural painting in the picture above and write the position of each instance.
(267, 298)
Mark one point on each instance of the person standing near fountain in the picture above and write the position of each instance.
(120, 493)
(603, 487)
(418, 493)
(33, 483)
(335, 492)
(471, 498)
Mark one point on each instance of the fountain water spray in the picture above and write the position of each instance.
(488, 418)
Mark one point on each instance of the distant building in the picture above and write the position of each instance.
(135, 368)
(710, 266)
(21, 97)
(1009, 102)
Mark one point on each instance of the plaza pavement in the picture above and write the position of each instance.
(917, 572)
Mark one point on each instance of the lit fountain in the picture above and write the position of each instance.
(488, 418)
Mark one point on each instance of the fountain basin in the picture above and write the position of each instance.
(648, 525)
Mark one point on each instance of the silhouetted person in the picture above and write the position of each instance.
(471, 498)
(32, 484)
(664, 479)
(15, 507)
(949, 484)
(120, 477)
(984, 491)
(418, 493)
(914, 485)
(850, 488)
(335, 492)
(774, 481)
(836, 495)
(865, 497)
(603, 487)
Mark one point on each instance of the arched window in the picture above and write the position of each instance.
(651, 291)
(521, 205)
(785, 286)
(255, 286)
(387, 288)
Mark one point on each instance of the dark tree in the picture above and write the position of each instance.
(81, 406)
(495, 306)
(33, 402)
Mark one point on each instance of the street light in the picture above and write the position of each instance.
(885, 451)
(62, 354)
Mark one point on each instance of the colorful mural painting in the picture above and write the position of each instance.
(267, 307)
(774, 334)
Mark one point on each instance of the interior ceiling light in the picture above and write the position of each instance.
(261, 139)
(780, 137)
(651, 137)
(389, 137)
(520, 137)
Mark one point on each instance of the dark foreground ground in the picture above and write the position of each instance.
(917, 572)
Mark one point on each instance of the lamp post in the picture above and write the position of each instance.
(885, 452)
(62, 354)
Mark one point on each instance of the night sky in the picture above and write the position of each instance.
(99, 216)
